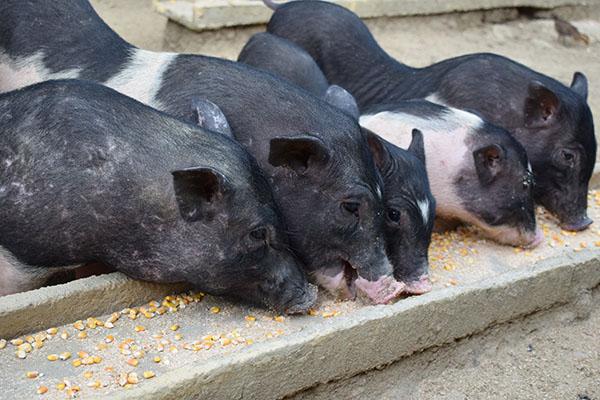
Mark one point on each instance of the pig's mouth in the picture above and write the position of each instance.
(344, 282)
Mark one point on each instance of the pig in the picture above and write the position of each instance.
(90, 175)
(284, 59)
(324, 180)
(479, 174)
(409, 204)
(552, 121)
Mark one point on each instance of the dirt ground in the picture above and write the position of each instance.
(550, 355)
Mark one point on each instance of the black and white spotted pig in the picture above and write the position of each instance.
(323, 178)
(90, 175)
(479, 174)
(552, 121)
(409, 205)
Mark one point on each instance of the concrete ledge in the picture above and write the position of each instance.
(56, 305)
(212, 14)
(375, 336)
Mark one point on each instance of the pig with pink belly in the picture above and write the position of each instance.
(478, 173)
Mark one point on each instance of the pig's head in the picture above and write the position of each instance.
(559, 135)
(410, 209)
(219, 229)
(497, 188)
(331, 195)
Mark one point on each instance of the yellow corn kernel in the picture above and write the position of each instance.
(32, 374)
(95, 384)
(109, 325)
(79, 325)
(132, 378)
(26, 347)
(225, 341)
(279, 318)
(88, 361)
(42, 390)
(21, 354)
(65, 356)
(29, 339)
(52, 357)
(250, 318)
(2, 343)
(16, 342)
(174, 327)
(61, 386)
(82, 335)
(156, 359)
(38, 344)
(215, 310)
(76, 362)
(149, 374)
(328, 314)
(101, 346)
(139, 328)
(179, 336)
(313, 312)
(88, 374)
(64, 335)
(91, 323)
(133, 362)
(97, 359)
(82, 354)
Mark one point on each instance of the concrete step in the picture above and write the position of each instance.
(201, 15)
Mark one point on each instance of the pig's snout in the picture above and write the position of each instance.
(381, 291)
(578, 224)
(536, 240)
(419, 286)
(303, 304)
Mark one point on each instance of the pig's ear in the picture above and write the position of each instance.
(541, 106)
(339, 97)
(380, 153)
(489, 161)
(417, 147)
(199, 192)
(299, 153)
(579, 85)
(208, 115)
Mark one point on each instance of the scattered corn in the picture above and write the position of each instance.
(2, 343)
(32, 374)
(64, 335)
(132, 378)
(88, 374)
(133, 362)
(16, 342)
(52, 357)
(95, 384)
(139, 328)
(174, 327)
(76, 362)
(79, 325)
(250, 318)
(156, 359)
(52, 331)
(279, 318)
(42, 390)
(82, 335)
(149, 374)
(61, 386)
(215, 310)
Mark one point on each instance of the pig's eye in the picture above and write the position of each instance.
(351, 207)
(568, 156)
(394, 215)
(259, 234)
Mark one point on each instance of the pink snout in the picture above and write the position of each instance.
(381, 291)
(420, 286)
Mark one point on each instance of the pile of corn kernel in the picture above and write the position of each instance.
(95, 370)
(140, 351)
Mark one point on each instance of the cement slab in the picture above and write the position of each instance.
(213, 14)
(253, 354)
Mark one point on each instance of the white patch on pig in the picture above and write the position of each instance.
(19, 72)
(142, 76)
(444, 138)
(424, 207)
(529, 167)
(17, 277)
(435, 98)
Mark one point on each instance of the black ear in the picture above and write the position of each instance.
(208, 115)
(379, 151)
(489, 161)
(199, 192)
(299, 153)
(339, 97)
(579, 85)
(541, 106)
(417, 146)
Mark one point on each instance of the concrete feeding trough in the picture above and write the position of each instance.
(201, 15)
(254, 353)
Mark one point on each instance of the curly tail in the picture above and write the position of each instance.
(271, 4)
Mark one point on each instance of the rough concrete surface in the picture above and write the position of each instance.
(551, 355)
(212, 14)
